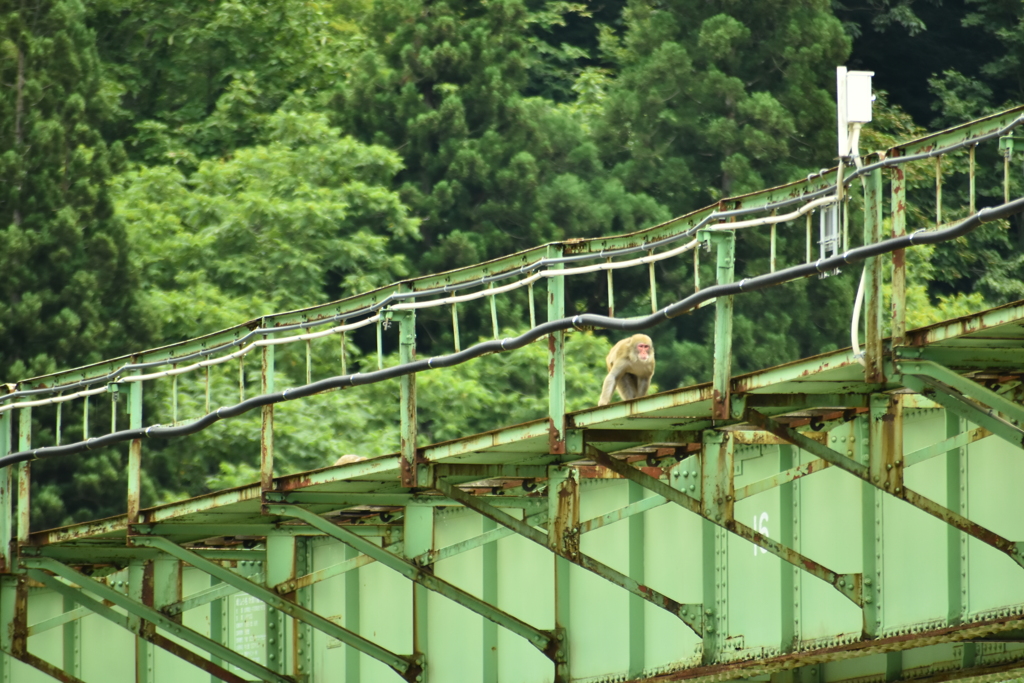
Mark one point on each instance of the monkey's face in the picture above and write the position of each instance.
(643, 351)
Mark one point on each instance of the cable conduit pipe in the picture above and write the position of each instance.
(591, 320)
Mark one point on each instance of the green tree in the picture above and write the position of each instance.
(196, 78)
(490, 170)
(305, 218)
(715, 99)
(65, 297)
(67, 292)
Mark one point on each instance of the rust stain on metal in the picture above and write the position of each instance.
(863, 648)
(556, 445)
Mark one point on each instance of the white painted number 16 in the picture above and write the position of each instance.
(761, 527)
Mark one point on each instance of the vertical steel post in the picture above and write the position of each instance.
(280, 567)
(971, 174)
(13, 623)
(809, 241)
(533, 306)
(267, 426)
(6, 498)
(218, 626)
(881, 449)
(302, 633)
(24, 476)
(873, 368)
(556, 358)
(717, 499)
(696, 269)
(494, 313)
(140, 589)
(134, 453)
(344, 354)
(72, 634)
(174, 397)
(899, 258)
(637, 633)
(725, 250)
(407, 383)
(654, 287)
(611, 291)
(957, 545)
(353, 672)
(309, 361)
(789, 576)
(419, 539)
(563, 536)
(8, 582)
(490, 595)
(455, 328)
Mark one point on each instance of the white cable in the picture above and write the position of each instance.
(246, 349)
(467, 297)
(55, 399)
(767, 220)
(855, 322)
(615, 265)
(605, 266)
(858, 300)
(194, 366)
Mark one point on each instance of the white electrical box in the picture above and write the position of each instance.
(858, 96)
(853, 103)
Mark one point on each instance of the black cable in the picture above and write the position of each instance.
(585, 320)
(536, 265)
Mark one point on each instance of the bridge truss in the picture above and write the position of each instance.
(848, 517)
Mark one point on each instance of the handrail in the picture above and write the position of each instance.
(685, 305)
(808, 191)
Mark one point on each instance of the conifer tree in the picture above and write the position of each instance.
(66, 291)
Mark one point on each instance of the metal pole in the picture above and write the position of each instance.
(407, 384)
(873, 368)
(556, 358)
(267, 426)
(899, 259)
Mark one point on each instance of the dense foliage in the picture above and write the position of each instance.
(168, 169)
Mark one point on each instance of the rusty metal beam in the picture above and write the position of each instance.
(689, 614)
(408, 667)
(1015, 550)
(847, 584)
(542, 640)
(792, 474)
(51, 670)
(154, 617)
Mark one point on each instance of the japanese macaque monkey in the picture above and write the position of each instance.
(346, 459)
(630, 369)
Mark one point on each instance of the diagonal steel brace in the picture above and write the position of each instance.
(50, 670)
(859, 470)
(544, 641)
(847, 584)
(973, 406)
(967, 387)
(408, 667)
(35, 567)
(689, 614)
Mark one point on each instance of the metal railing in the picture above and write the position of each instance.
(713, 226)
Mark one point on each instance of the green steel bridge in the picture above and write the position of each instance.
(852, 517)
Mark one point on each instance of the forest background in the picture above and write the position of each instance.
(172, 168)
